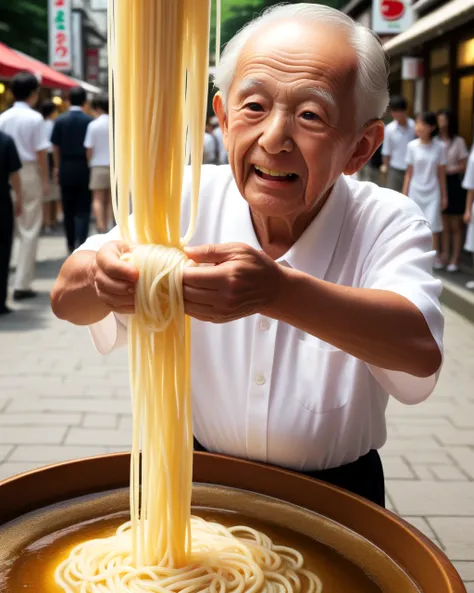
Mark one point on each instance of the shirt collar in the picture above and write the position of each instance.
(75, 108)
(313, 251)
(21, 105)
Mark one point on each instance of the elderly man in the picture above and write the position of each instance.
(320, 300)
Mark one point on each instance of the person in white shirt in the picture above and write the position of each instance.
(49, 111)
(425, 178)
(456, 154)
(320, 299)
(210, 154)
(398, 133)
(97, 144)
(217, 132)
(468, 184)
(27, 128)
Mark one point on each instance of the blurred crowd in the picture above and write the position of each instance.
(428, 161)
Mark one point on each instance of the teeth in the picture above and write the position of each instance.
(272, 172)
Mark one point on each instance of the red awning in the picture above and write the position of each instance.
(12, 62)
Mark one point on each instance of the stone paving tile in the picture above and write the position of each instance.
(457, 535)
(431, 498)
(396, 467)
(50, 454)
(464, 458)
(27, 419)
(102, 406)
(100, 421)
(12, 468)
(79, 436)
(466, 570)
(5, 451)
(39, 436)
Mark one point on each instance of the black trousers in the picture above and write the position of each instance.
(6, 241)
(76, 200)
(363, 477)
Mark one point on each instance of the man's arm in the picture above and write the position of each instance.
(380, 327)
(15, 180)
(407, 179)
(92, 284)
(89, 154)
(42, 159)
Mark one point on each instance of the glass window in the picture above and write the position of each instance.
(439, 57)
(466, 53)
(438, 93)
(465, 108)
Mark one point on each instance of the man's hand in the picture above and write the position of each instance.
(114, 279)
(242, 281)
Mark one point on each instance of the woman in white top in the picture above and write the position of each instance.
(51, 203)
(456, 153)
(96, 143)
(468, 183)
(425, 178)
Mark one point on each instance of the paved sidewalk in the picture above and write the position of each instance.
(60, 400)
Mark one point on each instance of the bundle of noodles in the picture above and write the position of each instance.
(158, 54)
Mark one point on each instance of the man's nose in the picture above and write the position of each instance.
(276, 136)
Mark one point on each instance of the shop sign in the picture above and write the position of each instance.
(60, 43)
(391, 16)
(92, 74)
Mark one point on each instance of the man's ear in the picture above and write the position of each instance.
(371, 139)
(219, 110)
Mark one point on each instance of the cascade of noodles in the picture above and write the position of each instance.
(158, 80)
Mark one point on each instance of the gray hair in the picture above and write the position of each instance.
(371, 88)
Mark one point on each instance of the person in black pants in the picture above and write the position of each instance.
(72, 168)
(10, 164)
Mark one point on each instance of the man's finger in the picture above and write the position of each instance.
(212, 253)
(200, 295)
(117, 269)
(116, 287)
(211, 278)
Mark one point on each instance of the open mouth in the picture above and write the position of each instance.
(273, 175)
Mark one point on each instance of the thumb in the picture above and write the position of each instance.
(209, 254)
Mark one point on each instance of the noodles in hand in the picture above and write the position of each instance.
(158, 54)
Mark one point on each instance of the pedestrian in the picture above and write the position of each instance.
(468, 184)
(27, 128)
(10, 165)
(425, 178)
(457, 154)
(319, 300)
(217, 132)
(49, 110)
(211, 146)
(72, 168)
(398, 133)
(97, 146)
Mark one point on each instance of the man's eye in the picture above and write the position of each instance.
(254, 106)
(309, 115)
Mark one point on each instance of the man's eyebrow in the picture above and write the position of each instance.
(320, 93)
(249, 84)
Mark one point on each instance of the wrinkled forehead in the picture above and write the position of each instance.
(301, 50)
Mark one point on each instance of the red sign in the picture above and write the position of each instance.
(392, 10)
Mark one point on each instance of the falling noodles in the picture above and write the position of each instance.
(158, 75)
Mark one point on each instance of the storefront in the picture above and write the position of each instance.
(443, 41)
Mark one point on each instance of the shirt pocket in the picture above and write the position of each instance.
(324, 376)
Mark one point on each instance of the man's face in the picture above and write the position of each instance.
(399, 116)
(291, 110)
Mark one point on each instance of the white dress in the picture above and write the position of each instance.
(468, 183)
(424, 185)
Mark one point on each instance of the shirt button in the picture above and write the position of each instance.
(259, 379)
(264, 325)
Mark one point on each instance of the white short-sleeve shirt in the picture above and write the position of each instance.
(267, 391)
(395, 142)
(468, 181)
(425, 160)
(456, 151)
(97, 138)
(27, 128)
